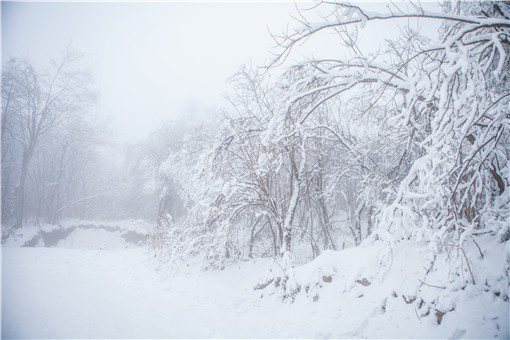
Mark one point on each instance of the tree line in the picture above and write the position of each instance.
(409, 142)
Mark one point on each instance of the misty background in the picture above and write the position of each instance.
(151, 61)
(156, 70)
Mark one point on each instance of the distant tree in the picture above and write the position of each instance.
(151, 162)
(35, 103)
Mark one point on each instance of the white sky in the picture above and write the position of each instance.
(153, 61)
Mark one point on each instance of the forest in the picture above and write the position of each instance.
(407, 146)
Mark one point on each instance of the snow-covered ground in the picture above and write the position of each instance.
(95, 283)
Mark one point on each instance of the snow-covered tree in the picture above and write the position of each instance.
(431, 146)
(406, 143)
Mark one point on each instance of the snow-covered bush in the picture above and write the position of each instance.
(444, 161)
(408, 145)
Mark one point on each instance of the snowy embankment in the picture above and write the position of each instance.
(95, 283)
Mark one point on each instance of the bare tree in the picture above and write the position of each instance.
(35, 104)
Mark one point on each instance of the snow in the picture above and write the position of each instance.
(85, 288)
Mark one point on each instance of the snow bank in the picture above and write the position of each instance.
(402, 291)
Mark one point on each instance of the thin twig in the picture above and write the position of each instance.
(426, 284)
(467, 262)
(481, 254)
(416, 312)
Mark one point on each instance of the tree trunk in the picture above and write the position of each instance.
(291, 210)
(54, 197)
(6, 181)
(20, 190)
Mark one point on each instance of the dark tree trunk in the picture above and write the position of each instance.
(20, 190)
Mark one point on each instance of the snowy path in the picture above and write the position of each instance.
(69, 293)
(83, 293)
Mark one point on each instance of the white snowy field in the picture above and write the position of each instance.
(82, 287)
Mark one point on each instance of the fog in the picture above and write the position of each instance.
(151, 61)
(255, 170)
